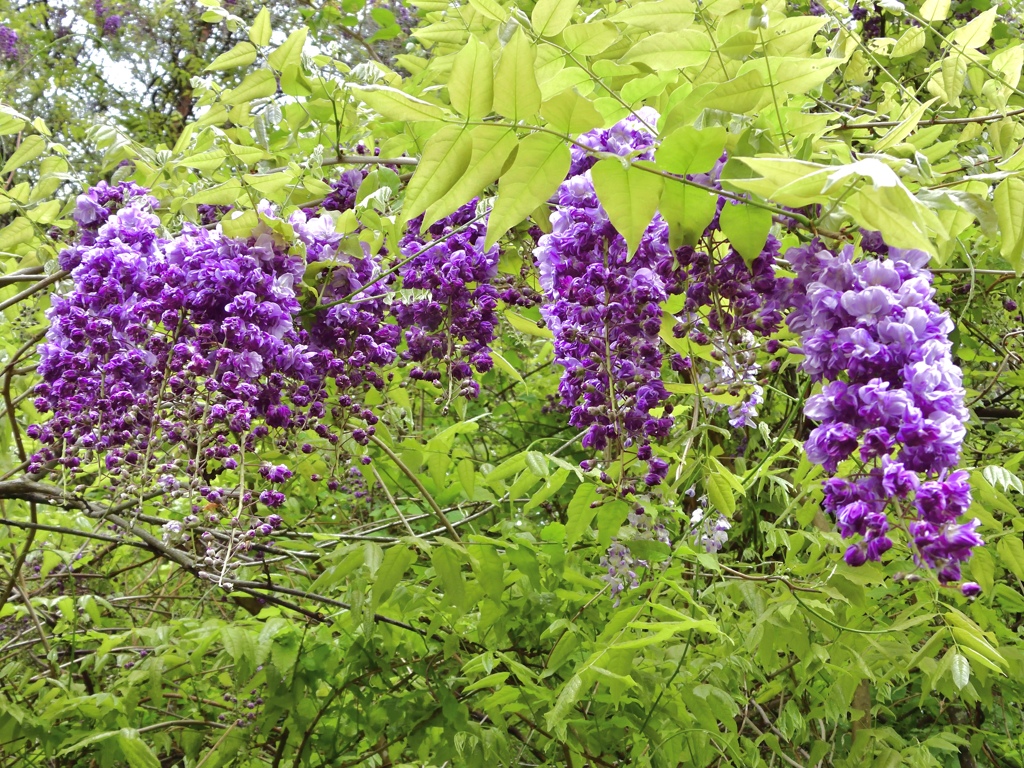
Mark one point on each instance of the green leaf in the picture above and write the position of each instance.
(259, 32)
(256, 85)
(791, 74)
(567, 698)
(516, 93)
(960, 669)
(471, 84)
(290, 51)
(1011, 553)
(540, 166)
(527, 326)
(687, 210)
(580, 514)
(1009, 204)
(449, 570)
(17, 232)
(135, 750)
(671, 50)
(396, 561)
(610, 517)
(393, 104)
(689, 150)
(492, 146)
(629, 195)
(242, 55)
(489, 570)
(294, 81)
(29, 149)
(445, 158)
(983, 569)
(570, 113)
(934, 10)
(746, 227)
(720, 494)
(550, 17)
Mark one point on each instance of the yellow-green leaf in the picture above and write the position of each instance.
(259, 32)
(210, 160)
(269, 184)
(629, 195)
(17, 232)
(909, 43)
(222, 194)
(550, 17)
(905, 128)
(540, 166)
(978, 31)
(657, 16)
(689, 150)
(516, 93)
(492, 145)
(671, 50)
(746, 227)
(687, 211)
(290, 51)
(742, 95)
(1011, 554)
(489, 8)
(445, 158)
(934, 10)
(570, 113)
(242, 55)
(29, 149)
(393, 104)
(591, 38)
(1009, 203)
(256, 85)
(471, 84)
(294, 81)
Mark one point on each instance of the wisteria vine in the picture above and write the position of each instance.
(195, 362)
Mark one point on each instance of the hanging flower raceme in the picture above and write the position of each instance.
(604, 308)
(894, 401)
(730, 305)
(451, 313)
(172, 360)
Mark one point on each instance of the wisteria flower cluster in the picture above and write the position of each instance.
(176, 359)
(604, 308)
(451, 313)
(8, 43)
(619, 562)
(893, 401)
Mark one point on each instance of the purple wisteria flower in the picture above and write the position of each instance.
(604, 306)
(8, 43)
(171, 360)
(619, 562)
(453, 313)
(894, 400)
